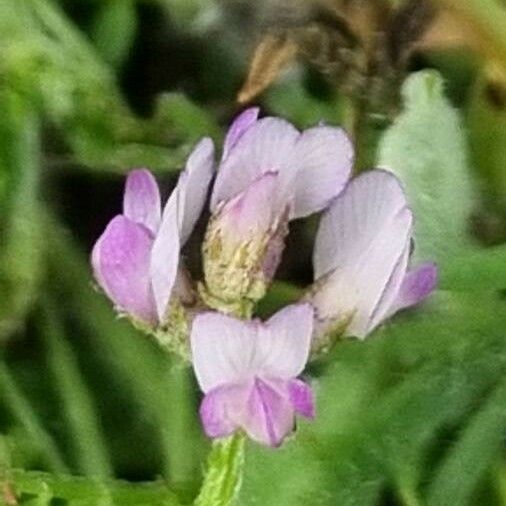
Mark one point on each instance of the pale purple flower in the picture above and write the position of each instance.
(361, 258)
(248, 371)
(136, 260)
(269, 173)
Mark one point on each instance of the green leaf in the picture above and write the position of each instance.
(48, 62)
(470, 456)
(114, 30)
(480, 270)
(17, 403)
(426, 148)
(77, 404)
(20, 256)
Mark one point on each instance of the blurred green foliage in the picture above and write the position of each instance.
(93, 413)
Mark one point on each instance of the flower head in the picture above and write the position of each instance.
(248, 370)
(270, 173)
(136, 259)
(361, 258)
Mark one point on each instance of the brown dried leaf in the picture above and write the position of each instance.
(271, 56)
(447, 32)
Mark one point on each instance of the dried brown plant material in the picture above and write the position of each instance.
(274, 53)
(446, 31)
(8, 495)
(408, 24)
(483, 24)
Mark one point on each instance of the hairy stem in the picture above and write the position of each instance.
(224, 473)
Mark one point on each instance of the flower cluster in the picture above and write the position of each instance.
(269, 174)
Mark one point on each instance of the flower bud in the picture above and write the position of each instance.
(243, 246)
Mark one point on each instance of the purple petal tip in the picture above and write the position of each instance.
(301, 397)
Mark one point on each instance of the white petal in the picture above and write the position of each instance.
(240, 124)
(322, 159)
(283, 342)
(193, 186)
(141, 200)
(165, 256)
(223, 349)
(391, 290)
(361, 240)
(267, 146)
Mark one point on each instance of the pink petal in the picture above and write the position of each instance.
(251, 213)
(417, 284)
(266, 146)
(222, 409)
(360, 242)
(244, 121)
(193, 186)
(141, 200)
(284, 341)
(164, 262)
(322, 161)
(301, 397)
(120, 261)
(223, 350)
(269, 416)
(263, 408)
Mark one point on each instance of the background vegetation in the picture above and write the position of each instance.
(91, 411)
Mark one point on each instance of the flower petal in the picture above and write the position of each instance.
(417, 284)
(120, 260)
(244, 121)
(141, 200)
(222, 408)
(322, 161)
(391, 290)
(193, 186)
(262, 408)
(223, 349)
(266, 146)
(251, 213)
(360, 242)
(269, 416)
(284, 341)
(301, 397)
(165, 254)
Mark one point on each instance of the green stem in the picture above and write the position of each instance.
(224, 473)
(89, 491)
(77, 403)
(26, 416)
